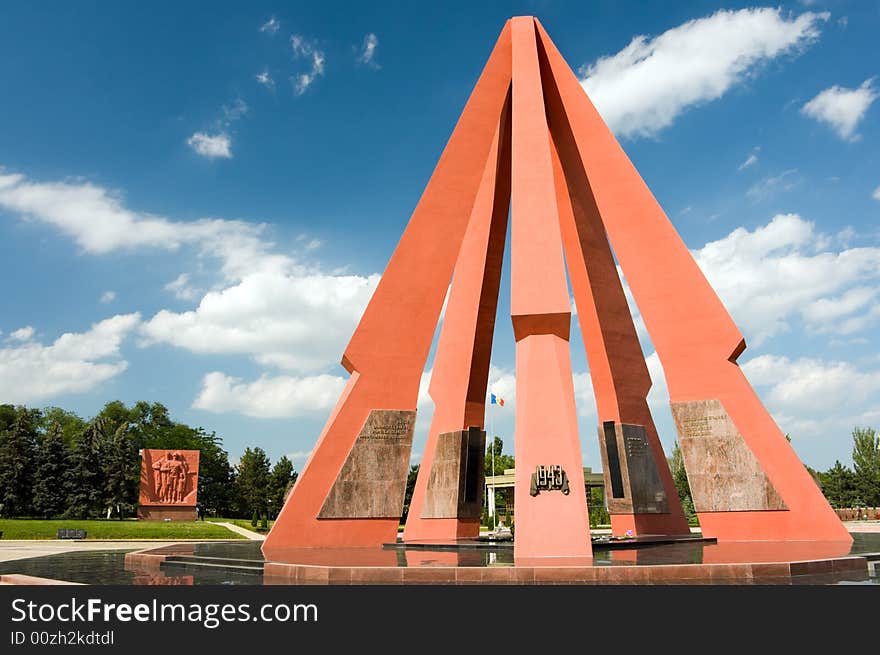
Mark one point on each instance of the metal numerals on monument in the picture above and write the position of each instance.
(530, 144)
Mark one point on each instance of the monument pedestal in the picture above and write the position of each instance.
(166, 513)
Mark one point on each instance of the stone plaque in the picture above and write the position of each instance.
(632, 481)
(723, 473)
(455, 486)
(372, 482)
(169, 477)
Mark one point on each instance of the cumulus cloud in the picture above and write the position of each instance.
(811, 386)
(212, 146)
(269, 397)
(643, 88)
(876, 194)
(74, 363)
(784, 270)
(108, 296)
(785, 273)
(98, 221)
(367, 54)
(291, 320)
(306, 49)
(842, 109)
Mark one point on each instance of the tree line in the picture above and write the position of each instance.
(55, 464)
(843, 487)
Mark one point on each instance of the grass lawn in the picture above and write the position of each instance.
(243, 523)
(114, 529)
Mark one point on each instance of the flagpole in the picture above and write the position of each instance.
(492, 429)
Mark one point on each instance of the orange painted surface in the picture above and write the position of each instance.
(387, 353)
(617, 365)
(592, 190)
(695, 338)
(461, 365)
(550, 524)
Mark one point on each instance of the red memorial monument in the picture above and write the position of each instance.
(530, 145)
(169, 485)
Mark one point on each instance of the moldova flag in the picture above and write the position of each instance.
(495, 400)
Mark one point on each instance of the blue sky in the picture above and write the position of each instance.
(196, 201)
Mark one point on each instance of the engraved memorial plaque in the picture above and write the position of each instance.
(724, 474)
(372, 482)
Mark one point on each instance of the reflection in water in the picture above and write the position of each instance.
(108, 567)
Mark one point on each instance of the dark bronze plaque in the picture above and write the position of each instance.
(632, 481)
(455, 485)
(549, 478)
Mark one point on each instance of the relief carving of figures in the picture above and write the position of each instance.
(171, 476)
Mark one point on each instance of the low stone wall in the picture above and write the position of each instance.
(858, 513)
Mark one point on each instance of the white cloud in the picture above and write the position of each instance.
(296, 321)
(265, 79)
(22, 334)
(300, 456)
(367, 54)
(74, 363)
(97, 220)
(811, 386)
(842, 109)
(269, 397)
(234, 111)
(750, 161)
(181, 288)
(108, 296)
(768, 276)
(647, 85)
(270, 26)
(786, 271)
(305, 49)
(770, 186)
(211, 146)
(876, 194)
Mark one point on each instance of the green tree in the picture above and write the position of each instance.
(866, 463)
(84, 480)
(839, 486)
(69, 423)
(411, 478)
(496, 463)
(120, 469)
(50, 499)
(280, 481)
(596, 505)
(253, 480)
(18, 445)
(682, 486)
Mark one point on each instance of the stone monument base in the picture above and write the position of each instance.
(166, 513)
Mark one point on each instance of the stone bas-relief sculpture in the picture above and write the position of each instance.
(169, 484)
(171, 478)
(530, 145)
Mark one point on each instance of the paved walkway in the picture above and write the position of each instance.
(253, 536)
(862, 526)
(11, 549)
